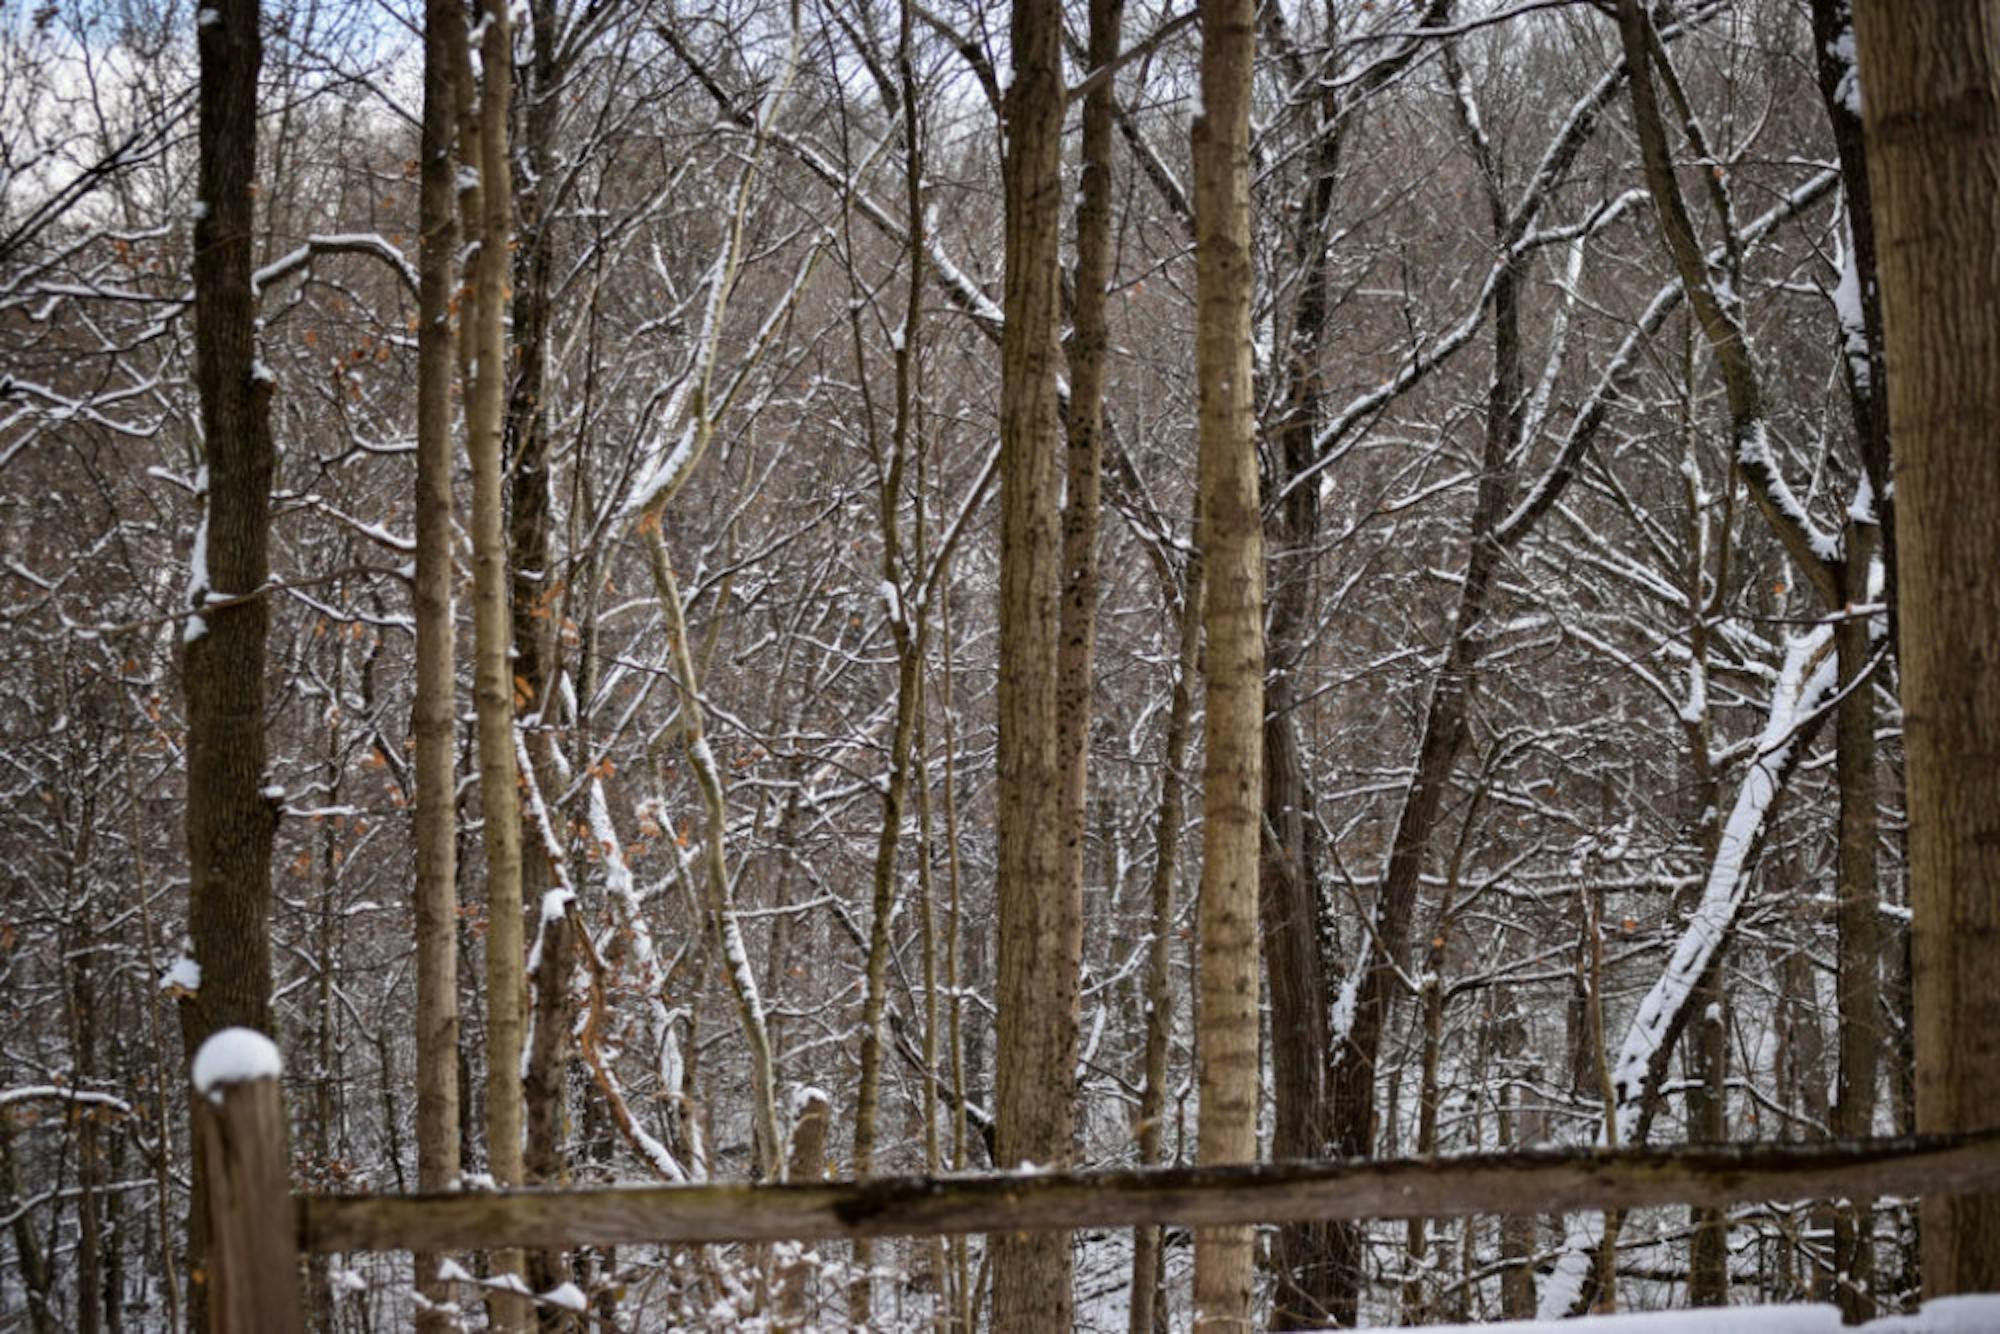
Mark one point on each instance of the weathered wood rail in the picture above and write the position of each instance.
(259, 1229)
(1534, 1181)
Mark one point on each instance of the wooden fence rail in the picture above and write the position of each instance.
(1528, 1182)
(255, 1254)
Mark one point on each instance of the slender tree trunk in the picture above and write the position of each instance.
(1040, 914)
(964, 1314)
(538, 601)
(434, 722)
(1083, 464)
(488, 209)
(1858, 918)
(1146, 1316)
(1416, 1295)
(1354, 1055)
(1232, 547)
(1864, 363)
(89, 1175)
(1517, 1230)
(1854, 744)
(1931, 102)
(1707, 1057)
(909, 641)
(230, 819)
(1295, 935)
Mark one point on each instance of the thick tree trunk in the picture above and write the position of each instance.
(434, 723)
(1931, 102)
(230, 819)
(1232, 547)
(1040, 914)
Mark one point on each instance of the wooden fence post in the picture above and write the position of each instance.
(253, 1252)
(808, 1164)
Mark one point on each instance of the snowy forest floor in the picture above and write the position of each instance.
(1948, 1315)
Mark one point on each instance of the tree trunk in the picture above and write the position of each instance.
(538, 602)
(1083, 463)
(909, 642)
(434, 723)
(1858, 917)
(1294, 932)
(1146, 1255)
(1231, 541)
(488, 209)
(1931, 102)
(1866, 368)
(230, 820)
(1040, 914)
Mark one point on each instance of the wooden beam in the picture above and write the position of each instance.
(1540, 1181)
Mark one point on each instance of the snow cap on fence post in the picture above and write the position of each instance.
(239, 1117)
(234, 1056)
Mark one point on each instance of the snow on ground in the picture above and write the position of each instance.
(1947, 1315)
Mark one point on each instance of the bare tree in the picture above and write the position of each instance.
(231, 813)
(1040, 912)
(434, 715)
(1233, 617)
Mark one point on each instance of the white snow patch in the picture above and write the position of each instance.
(804, 1096)
(235, 1056)
(182, 974)
(1946, 1315)
(198, 585)
(568, 1297)
(1847, 91)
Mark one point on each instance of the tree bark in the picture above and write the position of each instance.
(538, 603)
(1040, 914)
(434, 723)
(1866, 367)
(230, 819)
(1859, 922)
(1292, 918)
(1231, 541)
(1146, 1254)
(487, 206)
(1083, 463)
(908, 637)
(1931, 104)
